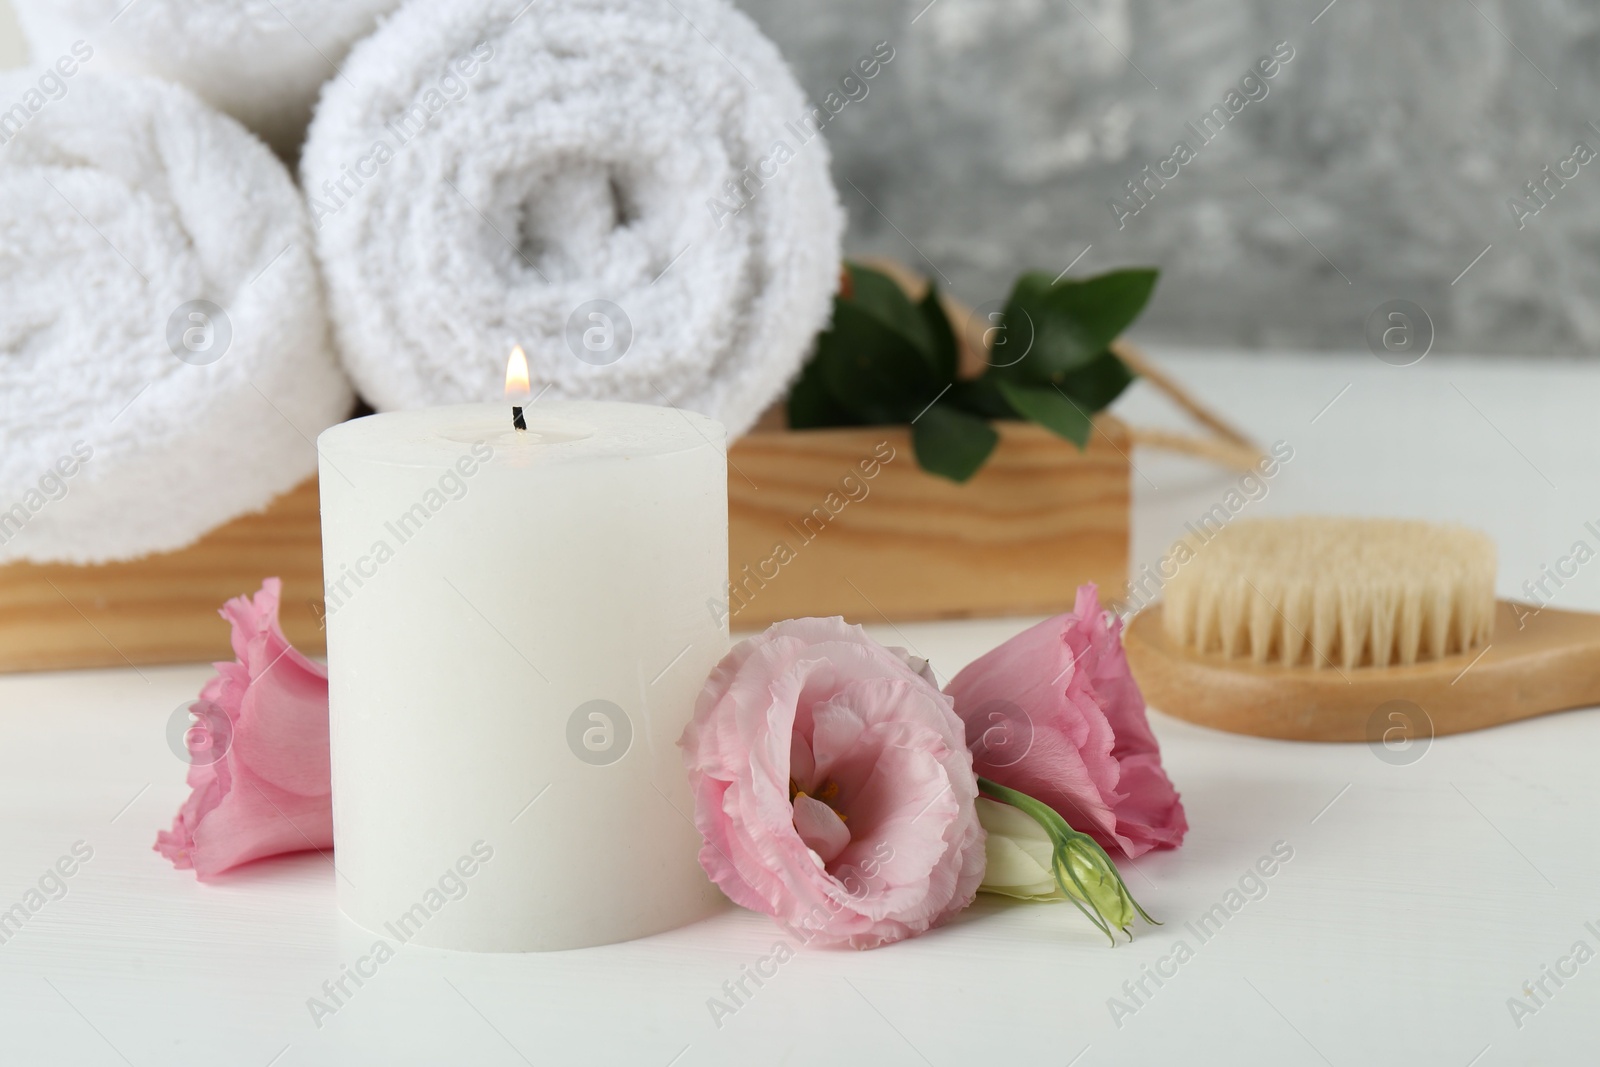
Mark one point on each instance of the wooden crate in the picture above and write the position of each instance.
(1037, 520)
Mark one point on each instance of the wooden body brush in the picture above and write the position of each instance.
(1317, 629)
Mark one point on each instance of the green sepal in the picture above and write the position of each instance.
(1108, 894)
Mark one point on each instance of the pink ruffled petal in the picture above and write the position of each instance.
(269, 793)
(820, 827)
(1091, 754)
(256, 820)
(282, 733)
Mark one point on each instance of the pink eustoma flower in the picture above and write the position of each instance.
(833, 786)
(1055, 713)
(268, 790)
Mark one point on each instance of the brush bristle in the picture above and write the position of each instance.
(1326, 592)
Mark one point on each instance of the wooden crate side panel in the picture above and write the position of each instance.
(1035, 522)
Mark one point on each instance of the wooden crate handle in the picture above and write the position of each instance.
(1230, 447)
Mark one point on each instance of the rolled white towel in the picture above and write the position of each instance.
(132, 417)
(261, 61)
(560, 173)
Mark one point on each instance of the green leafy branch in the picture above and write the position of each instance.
(886, 360)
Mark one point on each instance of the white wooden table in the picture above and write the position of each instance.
(1420, 899)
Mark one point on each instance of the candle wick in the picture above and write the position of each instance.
(516, 418)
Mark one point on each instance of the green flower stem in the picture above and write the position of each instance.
(1081, 867)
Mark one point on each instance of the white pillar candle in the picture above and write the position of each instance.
(518, 624)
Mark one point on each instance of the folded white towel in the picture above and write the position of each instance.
(133, 418)
(562, 173)
(261, 61)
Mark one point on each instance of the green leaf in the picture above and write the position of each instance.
(1047, 406)
(872, 370)
(981, 396)
(1070, 323)
(880, 296)
(952, 443)
(1095, 385)
(941, 337)
(811, 404)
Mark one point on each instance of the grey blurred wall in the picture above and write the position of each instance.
(1382, 156)
(1002, 129)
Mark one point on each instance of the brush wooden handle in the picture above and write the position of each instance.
(1548, 661)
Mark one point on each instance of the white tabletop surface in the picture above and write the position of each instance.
(1419, 900)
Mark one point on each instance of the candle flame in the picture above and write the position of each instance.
(517, 374)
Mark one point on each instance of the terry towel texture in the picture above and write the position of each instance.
(133, 417)
(261, 61)
(632, 189)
